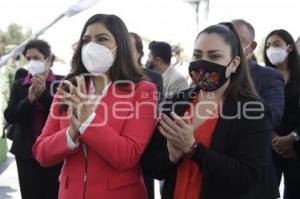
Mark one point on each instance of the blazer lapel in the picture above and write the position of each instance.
(223, 130)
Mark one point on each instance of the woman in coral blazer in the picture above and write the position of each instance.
(100, 124)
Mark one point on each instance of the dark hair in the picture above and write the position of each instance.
(293, 63)
(139, 46)
(42, 46)
(241, 85)
(123, 67)
(162, 50)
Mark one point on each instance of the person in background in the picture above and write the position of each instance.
(102, 118)
(204, 145)
(159, 59)
(269, 84)
(280, 53)
(156, 78)
(21, 73)
(176, 59)
(178, 63)
(138, 53)
(28, 108)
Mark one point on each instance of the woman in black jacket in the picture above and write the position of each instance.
(28, 108)
(280, 52)
(213, 139)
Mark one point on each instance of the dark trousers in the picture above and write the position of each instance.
(37, 182)
(290, 168)
(149, 182)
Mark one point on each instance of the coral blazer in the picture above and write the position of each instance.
(115, 141)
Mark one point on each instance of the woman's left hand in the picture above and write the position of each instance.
(80, 107)
(178, 131)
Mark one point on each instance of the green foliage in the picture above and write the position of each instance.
(11, 37)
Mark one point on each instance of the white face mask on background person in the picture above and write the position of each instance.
(35, 67)
(97, 58)
(277, 55)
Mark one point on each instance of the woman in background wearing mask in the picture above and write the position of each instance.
(102, 117)
(213, 139)
(280, 52)
(27, 110)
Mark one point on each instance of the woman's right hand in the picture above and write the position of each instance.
(79, 105)
(178, 130)
(31, 94)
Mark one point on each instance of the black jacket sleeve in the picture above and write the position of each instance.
(46, 99)
(241, 166)
(272, 93)
(155, 160)
(19, 108)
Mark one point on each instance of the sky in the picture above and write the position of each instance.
(173, 21)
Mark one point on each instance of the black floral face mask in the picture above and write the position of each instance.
(208, 76)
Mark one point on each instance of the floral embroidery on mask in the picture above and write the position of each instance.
(205, 80)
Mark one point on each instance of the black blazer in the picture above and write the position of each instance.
(236, 166)
(269, 84)
(291, 116)
(20, 112)
(296, 146)
(157, 79)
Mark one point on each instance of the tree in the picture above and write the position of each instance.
(13, 36)
(9, 39)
